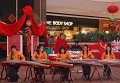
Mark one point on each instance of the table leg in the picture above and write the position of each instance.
(6, 70)
(95, 69)
(1, 78)
(70, 75)
(28, 73)
(55, 72)
(106, 71)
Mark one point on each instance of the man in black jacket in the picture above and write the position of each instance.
(76, 47)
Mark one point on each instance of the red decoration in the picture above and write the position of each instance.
(112, 26)
(28, 36)
(27, 10)
(112, 8)
(60, 42)
(12, 29)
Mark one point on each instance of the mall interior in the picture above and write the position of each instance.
(41, 22)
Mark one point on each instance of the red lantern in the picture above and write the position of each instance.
(112, 8)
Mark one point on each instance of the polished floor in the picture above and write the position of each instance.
(76, 76)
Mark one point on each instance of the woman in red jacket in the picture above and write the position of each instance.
(100, 46)
(60, 42)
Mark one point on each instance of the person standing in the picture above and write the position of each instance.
(100, 46)
(50, 40)
(76, 47)
(60, 42)
(116, 43)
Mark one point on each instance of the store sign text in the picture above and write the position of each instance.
(60, 23)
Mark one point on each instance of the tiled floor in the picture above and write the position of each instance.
(77, 77)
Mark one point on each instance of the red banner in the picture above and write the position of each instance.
(34, 43)
(14, 40)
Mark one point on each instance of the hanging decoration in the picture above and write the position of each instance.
(12, 29)
(112, 8)
(112, 26)
(113, 18)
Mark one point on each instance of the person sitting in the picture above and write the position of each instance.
(116, 43)
(76, 47)
(85, 54)
(63, 56)
(108, 54)
(13, 69)
(39, 55)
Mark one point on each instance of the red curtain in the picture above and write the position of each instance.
(12, 29)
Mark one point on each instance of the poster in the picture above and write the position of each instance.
(15, 40)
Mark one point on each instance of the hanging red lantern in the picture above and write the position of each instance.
(112, 8)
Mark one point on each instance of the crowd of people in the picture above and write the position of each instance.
(61, 40)
(61, 49)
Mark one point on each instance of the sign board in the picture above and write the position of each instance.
(74, 53)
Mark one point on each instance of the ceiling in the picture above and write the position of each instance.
(83, 7)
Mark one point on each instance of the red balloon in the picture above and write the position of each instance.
(112, 8)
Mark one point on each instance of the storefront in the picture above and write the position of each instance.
(70, 25)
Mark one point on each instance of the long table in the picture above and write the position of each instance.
(92, 62)
(29, 64)
(96, 63)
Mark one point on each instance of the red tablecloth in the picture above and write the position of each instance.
(98, 56)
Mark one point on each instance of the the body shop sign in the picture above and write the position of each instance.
(59, 23)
